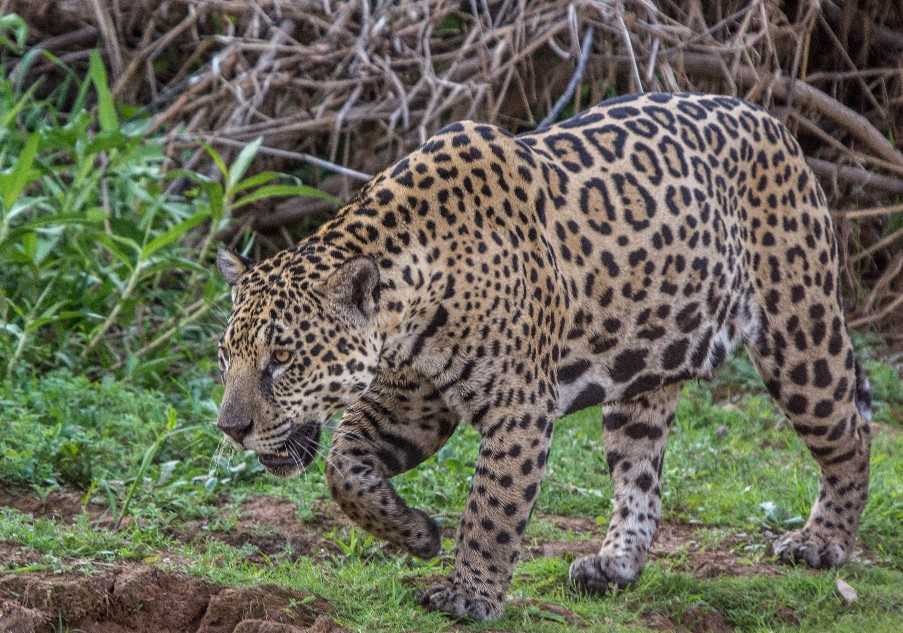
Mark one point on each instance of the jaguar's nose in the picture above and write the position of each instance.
(237, 431)
(237, 413)
(236, 428)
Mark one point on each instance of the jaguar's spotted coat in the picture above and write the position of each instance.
(506, 280)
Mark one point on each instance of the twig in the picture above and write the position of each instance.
(855, 175)
(85, 35)
(855, 156)
(283, 153)
(885, 280)
(576, 78)
(877, 316)
(846, 56)
(883, 36)
(152, 51)
(619, 14)
(874, 212)
(877, 246)
(111, 41)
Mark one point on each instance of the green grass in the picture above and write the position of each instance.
(733, 468)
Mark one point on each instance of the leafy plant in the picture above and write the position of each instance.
(105, 252)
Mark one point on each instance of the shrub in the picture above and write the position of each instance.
(105, 255)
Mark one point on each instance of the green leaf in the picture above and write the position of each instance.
(256, 180)
(28, 59)
(15, 24)
(241, 163)
(107, 140)
(274, 191)
(170, 264)
(171, 419)
(95, 214)
(111, 245)
(218, 161)
(8, 117)
(48, 221)
(106, 108)
(21, 205)
(173, 234)
(81, 97)
(215, 198)
(18, 180)
(176, 173)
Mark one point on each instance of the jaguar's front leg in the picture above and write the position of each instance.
(513, 452)
(398, 423)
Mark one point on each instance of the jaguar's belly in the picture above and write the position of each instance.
(612, 366)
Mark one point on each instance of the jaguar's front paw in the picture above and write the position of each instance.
(600, 573)
(807, 545)
(422, 536)
(459, 603)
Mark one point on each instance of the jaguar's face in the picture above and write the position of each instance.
(300, 344)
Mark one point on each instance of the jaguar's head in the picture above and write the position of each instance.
(300, 344)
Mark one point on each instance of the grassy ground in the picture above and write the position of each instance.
(735, 476)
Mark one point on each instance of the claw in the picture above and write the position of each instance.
(813, 549)
(458, 604)
(600, 573)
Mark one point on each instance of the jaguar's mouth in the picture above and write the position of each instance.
(297, 452)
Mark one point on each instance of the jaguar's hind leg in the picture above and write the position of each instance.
(820, 386)
(635, 435)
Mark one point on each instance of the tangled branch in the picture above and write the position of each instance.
(339, 90)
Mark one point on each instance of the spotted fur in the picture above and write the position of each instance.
(504, 281)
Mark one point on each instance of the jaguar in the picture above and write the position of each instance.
(504, 281)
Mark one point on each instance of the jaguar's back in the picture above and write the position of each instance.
(674, 221)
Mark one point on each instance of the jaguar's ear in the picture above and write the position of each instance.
(232, 265)
(354, 289)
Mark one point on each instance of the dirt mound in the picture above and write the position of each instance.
(143, 599)
(14, 618)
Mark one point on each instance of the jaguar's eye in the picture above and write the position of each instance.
(282, 356)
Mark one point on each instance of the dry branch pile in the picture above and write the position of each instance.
(359, 83)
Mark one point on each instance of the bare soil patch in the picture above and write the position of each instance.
(271, 524)
(693, 620)
(59, 505)
(684, 545)
(13, 555)
(675, 541)
(137, 598)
